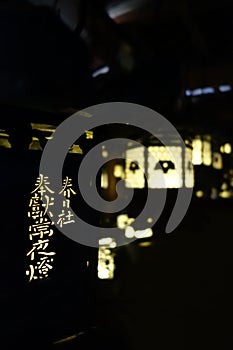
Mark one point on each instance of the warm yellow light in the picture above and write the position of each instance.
(224, 186)
(65, 340)
(5, 143)
(106, 264)
(165, 167)
(227, 148)
(104, 179)
(112, 245)
(44, 127)
(135, 175)
(122, 221)
(105, 241)
(106, 271)
(103, 273)
(197, 151)
(129, 232)
(199, 194)
(118, 171)
(225, 194)
(89, 134)
(145, 244)
(76, 149)
(35, 145)
(104, 154)
(217, 161)
(144, 233)
(48, 131)
(149, 220)
(207, 153)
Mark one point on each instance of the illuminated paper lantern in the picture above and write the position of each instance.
(166, 167)
(217, 161)
(202, 150)
(134, 168)
(207, 151)
(163, 165)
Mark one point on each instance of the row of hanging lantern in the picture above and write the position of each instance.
(173, 166)
(165, 167)
(204, 165)
(213, 167)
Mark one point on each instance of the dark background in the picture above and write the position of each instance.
(177, 292)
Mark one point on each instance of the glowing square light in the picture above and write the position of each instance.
(165, 167)
(134, 168)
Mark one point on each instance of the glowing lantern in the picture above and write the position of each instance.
(134, 168)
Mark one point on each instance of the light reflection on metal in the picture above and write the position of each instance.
(67, 339)
(4, 143)
(76, 149)
(47, 132)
